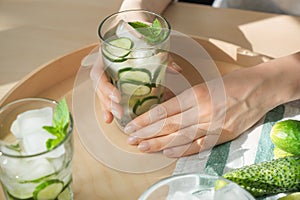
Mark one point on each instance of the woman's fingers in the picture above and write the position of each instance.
(182, 137)
(206, 142)
(102, 82)
(107, 93)
(173, 66)
(197, 146)
(185, 150)
(108, 105)
(107, 116)
(186, 141)
(168, 125)
(173, 106)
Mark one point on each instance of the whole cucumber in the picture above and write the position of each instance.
(286, 136)
(270, 177)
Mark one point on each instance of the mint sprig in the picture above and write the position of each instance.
(153, 33)
(60, 124)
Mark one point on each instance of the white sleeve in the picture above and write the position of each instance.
(220, 4)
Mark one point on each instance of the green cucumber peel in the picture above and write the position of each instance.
(48, 190)
(125, 74)
(135, 88)
(286, 136)
(140, 103)
(60, 124)
(268, 178)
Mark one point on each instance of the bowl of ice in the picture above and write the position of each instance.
(195, 186)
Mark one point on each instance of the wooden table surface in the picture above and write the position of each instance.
(35, 32)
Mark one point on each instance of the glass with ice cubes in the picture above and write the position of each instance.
(28, 169)
(134, 47)
(194, 186)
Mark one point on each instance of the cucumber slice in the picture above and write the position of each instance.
(112, 57)
(19, 195)
(48, 190)
(65, 195)
(116, 50)
(135, 74)
(145, 104)
(220, 184)
(135, 88)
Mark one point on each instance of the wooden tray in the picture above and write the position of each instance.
(93, 179)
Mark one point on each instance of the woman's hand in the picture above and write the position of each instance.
(195, 120)
(108, 95)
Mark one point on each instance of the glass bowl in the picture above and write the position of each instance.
(195, 186)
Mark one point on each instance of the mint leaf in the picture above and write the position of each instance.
(61, 121)
(141, 28)
(138, 24)
(61, 115)
(51, 143)
(50, 129)
(155, 28)
(153, 33)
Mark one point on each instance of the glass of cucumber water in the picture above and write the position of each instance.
(36, 149)
(134, 47)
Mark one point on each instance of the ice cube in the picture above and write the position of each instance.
(27, 169)
(183, 195)
(125, 30)
(56, 152)
(28, 127)
(10, 149)
(11, 166)
(229, 192)
(31, 121)
(150, 63)
(143, 53)
(34, 169)
(57, 162)
(35, 142)
(207, 194)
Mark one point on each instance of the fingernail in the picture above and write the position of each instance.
(114, 98)
(116, 113)
(105, 117)
(132, 140)
(168, 152)
(144, 146)
(129, 129)
(176, 67)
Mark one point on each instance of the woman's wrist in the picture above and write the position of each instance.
(280, 80)
(266, 85)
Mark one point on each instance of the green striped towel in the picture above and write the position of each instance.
(253, 146)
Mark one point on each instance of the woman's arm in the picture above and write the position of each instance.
(183, 122)
(281, 79)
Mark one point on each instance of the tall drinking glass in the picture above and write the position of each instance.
(134, 46)
(28, 169)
